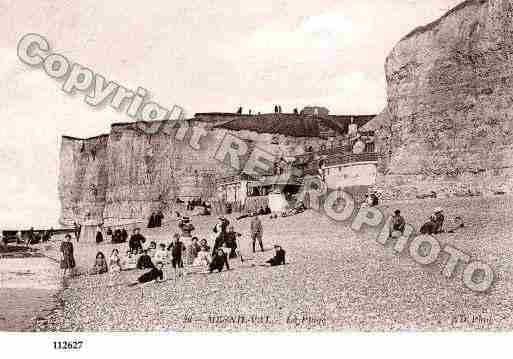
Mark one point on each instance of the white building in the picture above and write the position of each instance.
(349, 171)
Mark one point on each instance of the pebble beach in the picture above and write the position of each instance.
(334, 279)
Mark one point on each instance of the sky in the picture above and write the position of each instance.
(199, 54)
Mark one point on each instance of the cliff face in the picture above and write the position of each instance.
(126, 175)
(83, 178)
(449, 110)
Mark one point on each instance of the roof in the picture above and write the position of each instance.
(287, 124)
(293, 125)
(275, 123)
(378, 121)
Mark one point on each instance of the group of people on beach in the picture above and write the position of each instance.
(119, 235)
(185, 253)
(434, 225)
(155, 220)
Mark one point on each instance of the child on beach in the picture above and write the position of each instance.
(129, 262)
(161, 254)
(114, 266)
(219, 260)
(68, 260)
(145, 261)
(152, 249)
(155, 274)
(186, 227)
(203, 244)
(203, 258)
(100, 265)
(279, 257)
(114, 262)
(177, 248)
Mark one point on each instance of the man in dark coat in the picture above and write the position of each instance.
(177, 247)
(136, 241)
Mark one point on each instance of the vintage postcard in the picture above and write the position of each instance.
(272, 166)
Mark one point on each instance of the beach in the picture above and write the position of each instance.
(334, 279)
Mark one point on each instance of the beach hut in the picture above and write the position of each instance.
(279, 190)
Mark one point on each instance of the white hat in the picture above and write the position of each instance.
(438, 209)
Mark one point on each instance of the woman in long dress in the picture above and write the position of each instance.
(68, 260)
(99, 235)
(115, 261)
(114, 266)
(191, 251)
(203, 259)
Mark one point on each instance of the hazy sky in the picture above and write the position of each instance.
(202, 55)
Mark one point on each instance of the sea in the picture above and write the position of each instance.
(29, 289)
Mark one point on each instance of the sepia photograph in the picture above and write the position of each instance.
(233, 167)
